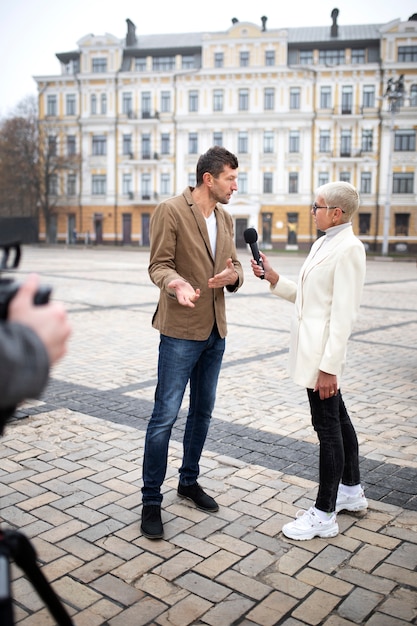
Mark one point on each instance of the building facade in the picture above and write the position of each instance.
(299, 107)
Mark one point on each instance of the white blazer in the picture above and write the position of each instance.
(327, 298)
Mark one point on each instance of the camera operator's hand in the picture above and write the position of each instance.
(48, 321)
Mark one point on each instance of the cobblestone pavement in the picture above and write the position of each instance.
(70, 472)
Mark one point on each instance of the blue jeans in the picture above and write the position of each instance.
(339, 450)
(180, 361)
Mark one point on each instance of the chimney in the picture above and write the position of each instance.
(264, 20)
(234, 20)
(335, 28)
(131, 33)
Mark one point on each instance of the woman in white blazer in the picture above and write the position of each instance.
(326, 298)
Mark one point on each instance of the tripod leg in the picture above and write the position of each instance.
(6, 605)
(24, 555)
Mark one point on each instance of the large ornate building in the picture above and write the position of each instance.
(298, 106)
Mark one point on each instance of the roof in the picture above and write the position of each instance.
(171, 40)
(359, 32)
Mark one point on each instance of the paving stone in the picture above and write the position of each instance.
(71, 464)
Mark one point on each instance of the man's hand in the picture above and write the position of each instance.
(48, 321)
(228, 276)
(186, 294)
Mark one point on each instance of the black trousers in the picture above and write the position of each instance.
(339, 450)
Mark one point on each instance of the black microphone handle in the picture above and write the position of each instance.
(257, 256)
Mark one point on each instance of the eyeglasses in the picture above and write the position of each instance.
(316, 206)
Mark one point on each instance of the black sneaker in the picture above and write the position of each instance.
(198, 496)
(151, 525)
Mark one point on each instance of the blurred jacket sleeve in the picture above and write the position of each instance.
(24, 364)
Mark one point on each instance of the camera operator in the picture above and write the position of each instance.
(32, 339)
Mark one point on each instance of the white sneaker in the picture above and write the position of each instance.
(308, 525)
(351, 503)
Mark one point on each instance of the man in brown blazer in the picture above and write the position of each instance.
(192, 260)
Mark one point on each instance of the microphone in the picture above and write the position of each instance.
(251, 237)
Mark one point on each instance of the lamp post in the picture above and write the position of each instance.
(394, 94)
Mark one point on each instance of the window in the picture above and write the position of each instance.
(217, 139)
(242, 182)
(326, 97)
(367, 140)
(165, 143)
(70, 104)
(71, 145)
(402, 221)
(166, 101)
(52, 145)
(127, 145)
(347, 99)
(293, 182)
(99, 145)
(345, 143)
(364, 223)
(407, 54)
(146, 103)
(188, 61)
(403, 182)
(270, 57)
(345, 177)
(218, 100)
(163, 64)
(366, 182)
(127, 184)
(165, 184)
(323, 178)
(295, 94)
(243, 99)
(72, 67)
(413, 96)
(93, 104)
(324, 141)
(268, 142)
(368, 96)
(331, 57)
(218, 59)
(145, 180)
(306, 57)
(127, 103)
(103, 104)
(358, 55)
(405, 141)
(294, 141)
(51, 105)
(53, 185)
(242, 142)
(146, 146)
(72, 184)
(192, 143)
(140, 65)
(244, 58)
(269, 99)
(98, 184)
(193, 101)
(191, 179)
(267, 185)
(99, 65)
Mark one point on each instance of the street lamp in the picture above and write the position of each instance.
(394, 94)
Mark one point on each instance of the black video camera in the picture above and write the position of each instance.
(8, 286)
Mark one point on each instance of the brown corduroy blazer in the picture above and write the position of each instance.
(180, 248)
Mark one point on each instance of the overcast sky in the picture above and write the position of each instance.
(33, 31)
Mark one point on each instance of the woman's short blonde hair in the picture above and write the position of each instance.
(340, 194)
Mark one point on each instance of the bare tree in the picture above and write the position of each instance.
(32, 165)
(18, 158)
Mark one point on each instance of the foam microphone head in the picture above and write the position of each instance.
(250, 235)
